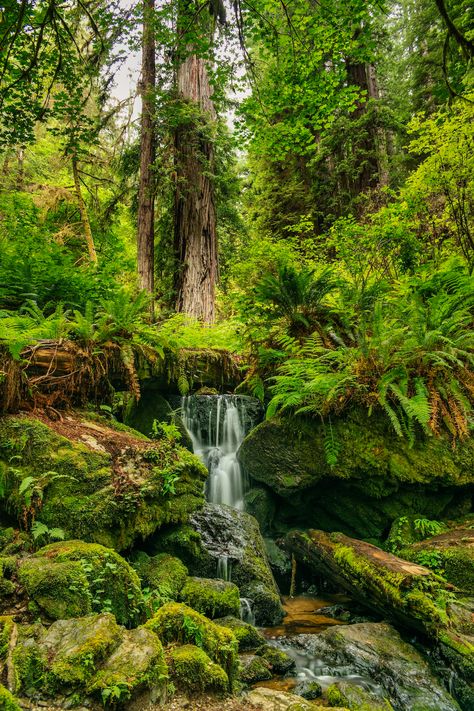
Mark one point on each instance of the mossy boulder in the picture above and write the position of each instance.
(8, 701)
(73, 578)
(248, 637)
(193, 671)
(308, 689)
(98, 484)
(90, 657)
(137, 665)
(176, 622)
(379, 476)
(213, 598)
(163, 574)
(217, 532)
(376, 651)
(253, 669)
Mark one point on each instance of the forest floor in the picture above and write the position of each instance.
(178, 703)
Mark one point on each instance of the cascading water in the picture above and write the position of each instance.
(217, 425)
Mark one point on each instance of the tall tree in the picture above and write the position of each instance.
(146, 193)
(195, 238)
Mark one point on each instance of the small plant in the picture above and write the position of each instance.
(428, 528)
(42, 534)
(117, 694)
(192, 631)
(168, 480)
(167, 431)
(430, 559)
(31, 490)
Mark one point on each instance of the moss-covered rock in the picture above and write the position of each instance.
(101, 485)
(247, 636)
(163, 574)
(356, 698)
(176, 622)
(213, 598)
(137, 665)
(89, 657)
(8, 701)
(193, 671)
(308, 689)
(253, 669)
(280, 662)
(73, 578)
(379, 476)
(219, 532)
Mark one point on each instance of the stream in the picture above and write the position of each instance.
(217, 425)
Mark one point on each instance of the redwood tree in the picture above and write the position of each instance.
(146, 193)
(195, 239)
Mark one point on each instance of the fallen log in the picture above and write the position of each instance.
(407, 593)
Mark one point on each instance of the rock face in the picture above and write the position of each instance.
(98, 484)
(379, 477)
(407, 593)
(220, 533)
(272, 700)
(376, 651)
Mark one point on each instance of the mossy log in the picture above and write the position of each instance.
(409, 594)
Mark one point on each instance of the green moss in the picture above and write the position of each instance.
(193, 671)
(73, 578)
(8, 701)
(163, 574)
(356, 698)
(254, 669)
(136, 665)
(248, 637)
(213, 598)
(28, 660)
(6, 628)
(280, 662)
(86, 500)
(176, 622)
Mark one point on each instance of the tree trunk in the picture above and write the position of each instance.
(195, 237)
(86, 226)
(368, 147)
(146, 192)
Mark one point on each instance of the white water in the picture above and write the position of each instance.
(217, 442)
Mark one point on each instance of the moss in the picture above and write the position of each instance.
(379, 477)
(73, 578)
(6, 628)
(165, 574)
(136, 665)
(29, 662)
(176, 622)
(254, 669)
(193, 671)
(248, 637)
(213, 598)
(74, 649)
(87, 500)
(8, 701)
(356, 698)
(280, 662)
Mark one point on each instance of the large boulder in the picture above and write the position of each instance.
(376, 651)
(192, 671)
(163, 575)
(219, 537)
(273, 700)
(73, 578)
(96, 482)
(409, 594)
(88, 657)
(377, 476)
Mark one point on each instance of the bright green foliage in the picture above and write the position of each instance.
(193, 671)
(411, 356)
(8, 701)
(179, 623)
(213, 598)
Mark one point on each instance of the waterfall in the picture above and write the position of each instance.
(217, 424)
